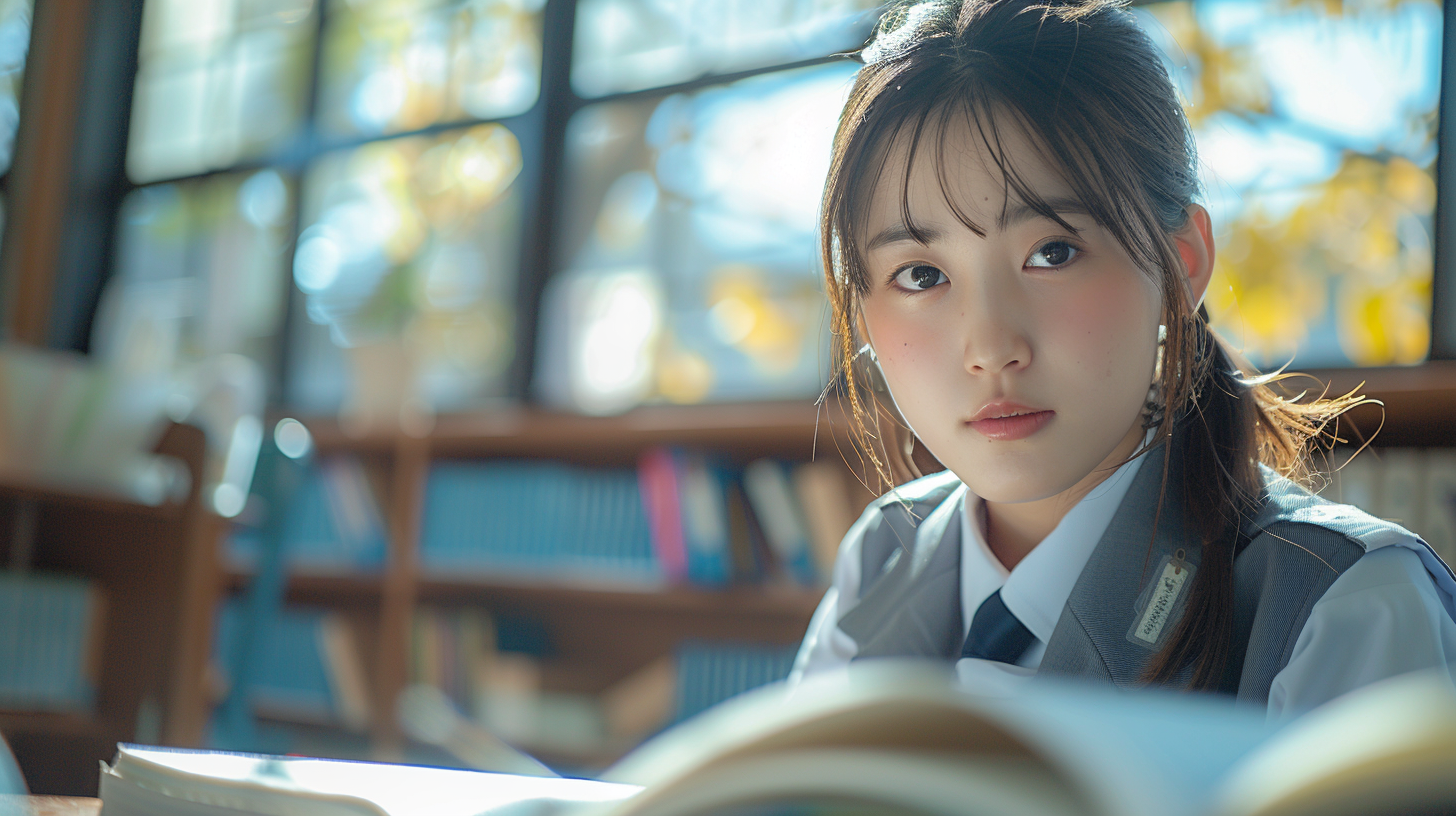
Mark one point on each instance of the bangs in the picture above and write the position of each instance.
(920, 125)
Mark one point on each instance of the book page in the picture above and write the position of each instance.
(1143, 752)
(287, 785)
(1139, 751)
(864, 782)
(1389, 747)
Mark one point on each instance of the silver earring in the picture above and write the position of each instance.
(1158, 361)
(1154, 407)
(869, 365)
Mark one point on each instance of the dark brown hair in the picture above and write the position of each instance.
(1086, 84)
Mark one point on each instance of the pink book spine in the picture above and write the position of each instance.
(657, 475)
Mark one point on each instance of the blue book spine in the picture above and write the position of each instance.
(702, 491)
(46, 638)
(709, 673)
(333, 523)
(290, 672)
(536, 520)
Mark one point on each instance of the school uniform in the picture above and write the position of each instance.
(1326, 597)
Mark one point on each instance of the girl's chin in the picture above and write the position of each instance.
(1015, 498)
(1023, 484)
(1017, 491)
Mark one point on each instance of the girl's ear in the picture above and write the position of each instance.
(1195, 244)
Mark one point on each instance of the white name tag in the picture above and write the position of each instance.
(1161, 601)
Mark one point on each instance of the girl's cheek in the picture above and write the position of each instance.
(1087, 330)
(902, 338)
(1103, 324)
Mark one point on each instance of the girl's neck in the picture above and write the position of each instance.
(1013, 530)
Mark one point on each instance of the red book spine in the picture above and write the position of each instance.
(657, 475)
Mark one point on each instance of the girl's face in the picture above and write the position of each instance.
(1021, 359)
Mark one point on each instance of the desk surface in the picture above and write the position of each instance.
(12, 805)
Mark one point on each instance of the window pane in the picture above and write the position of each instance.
(689, 263)
(199, 273)
(407, 268)
(218, 83)
(14, 44)
(629, 45)
(396, 65)
(203, 27)
(1317, 131)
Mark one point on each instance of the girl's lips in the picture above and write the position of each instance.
(1008, 428)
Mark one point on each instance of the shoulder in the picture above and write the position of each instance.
(888, 523)
(1343, 533)
(1298, 545)
(923, 494)
(1304, 532)
(909, 504)
(1382, 617)
(1318, 582)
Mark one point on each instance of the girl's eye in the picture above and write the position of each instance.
(1053, 254)
(919, 277)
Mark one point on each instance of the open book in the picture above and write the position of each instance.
(897, 738)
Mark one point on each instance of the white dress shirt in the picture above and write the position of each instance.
(1383, 616)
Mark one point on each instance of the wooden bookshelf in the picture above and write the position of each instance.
(1419, 403)
(22, 486)
(47, 746)
(769, 602)
(152, 566)
(747, 430)
(600, 635)
(308, 588)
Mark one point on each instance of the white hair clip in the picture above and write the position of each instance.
(899, 29)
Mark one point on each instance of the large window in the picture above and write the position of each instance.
(342, 191)
(391, 201)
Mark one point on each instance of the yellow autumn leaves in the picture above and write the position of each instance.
(771, 325)
(1355, 250)
(1360, 239)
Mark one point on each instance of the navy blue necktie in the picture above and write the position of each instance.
(996, 634)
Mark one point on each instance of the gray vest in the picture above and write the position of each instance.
(909, 604)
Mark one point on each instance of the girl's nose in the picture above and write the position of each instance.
(995, 340)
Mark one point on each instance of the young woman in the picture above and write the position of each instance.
(1013, 250)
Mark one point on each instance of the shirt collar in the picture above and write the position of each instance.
(1038, 588)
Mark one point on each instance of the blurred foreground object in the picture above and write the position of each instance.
(899, 737)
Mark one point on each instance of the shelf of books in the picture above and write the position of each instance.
(571, 583)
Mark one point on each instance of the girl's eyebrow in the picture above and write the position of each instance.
(1022, 212)
(895, 233)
